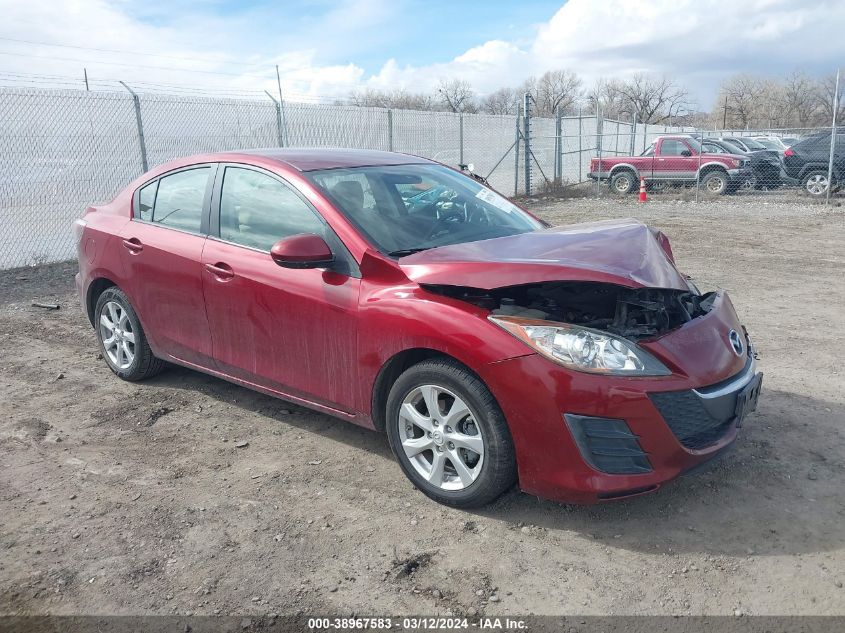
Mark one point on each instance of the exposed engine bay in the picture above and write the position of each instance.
(627, 312)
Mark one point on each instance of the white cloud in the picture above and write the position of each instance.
(699, 42)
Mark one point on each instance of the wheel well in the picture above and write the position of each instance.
(620, 169)
(97, 287)
(391, 370)
(712, 168)
(808, 169)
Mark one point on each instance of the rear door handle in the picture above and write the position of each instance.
(220, 270)
(133, 245)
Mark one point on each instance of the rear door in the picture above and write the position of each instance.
(161, 252)
(674, 160)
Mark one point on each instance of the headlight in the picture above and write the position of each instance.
(583, 349)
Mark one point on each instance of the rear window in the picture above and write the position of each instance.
(179, 199)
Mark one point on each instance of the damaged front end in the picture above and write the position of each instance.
(632, 313)
(589, 326)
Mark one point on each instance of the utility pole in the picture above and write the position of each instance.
(725, 114)
(85, 73)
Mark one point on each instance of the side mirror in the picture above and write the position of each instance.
(686, 152)
(302, 251)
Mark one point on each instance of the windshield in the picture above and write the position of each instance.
(694, 144)
(406, 208)
(737, 148)
(769, 144)
(750, 143)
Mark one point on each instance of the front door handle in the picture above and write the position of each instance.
(133, 245)
(220, 270)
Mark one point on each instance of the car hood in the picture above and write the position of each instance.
(623, 252)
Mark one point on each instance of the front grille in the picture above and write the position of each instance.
(689, 420)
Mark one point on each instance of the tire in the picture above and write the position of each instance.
(480, 475)
(815, 183)
(715, 183)
(623, 182)
(126, 352)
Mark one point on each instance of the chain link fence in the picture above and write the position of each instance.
(62, 150)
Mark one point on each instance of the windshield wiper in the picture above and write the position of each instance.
(402, 252)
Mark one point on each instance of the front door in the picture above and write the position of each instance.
(290, 330)
(675, 160)
(161, 252)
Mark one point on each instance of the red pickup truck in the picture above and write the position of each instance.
(673, 160)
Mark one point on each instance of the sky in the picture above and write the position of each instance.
(327, 49)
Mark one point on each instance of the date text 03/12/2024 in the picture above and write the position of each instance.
(416, 624)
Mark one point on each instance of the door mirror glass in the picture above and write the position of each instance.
(302, 251)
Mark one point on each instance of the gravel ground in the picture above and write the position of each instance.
(188, 494)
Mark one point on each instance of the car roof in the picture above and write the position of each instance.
(309, 159)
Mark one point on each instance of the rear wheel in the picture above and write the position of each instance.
(449, 435)
(715, 183)
(121, 337)
(816, 183)
(623, 182)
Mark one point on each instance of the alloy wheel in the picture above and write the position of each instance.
(817, 184)
(440, 437)
(117, 335)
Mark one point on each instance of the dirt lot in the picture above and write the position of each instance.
(134, 498)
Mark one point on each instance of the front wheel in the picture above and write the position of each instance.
(715, 183)
(623, 182)
(449, 435)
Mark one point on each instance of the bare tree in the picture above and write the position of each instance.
(607, 98)
(799, 100)
(554, 90)
(397, 99)
(826, 95)
(502, 101)
(740, 98)
(456, 95)
(651, 99)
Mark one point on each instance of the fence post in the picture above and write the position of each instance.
(461, 137)
(558, 178)
(279, 136)
(141, 141)
(633, 134)
(580, 147)
(599, 132)
(832, 140)
(390, 129)
(526, 135)
(516, 157)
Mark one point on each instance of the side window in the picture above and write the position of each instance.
(146, 200)
(178, 202)
(673, 147)
(257, 210)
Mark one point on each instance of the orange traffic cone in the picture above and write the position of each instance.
(643, 197)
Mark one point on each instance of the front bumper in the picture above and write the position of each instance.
(740, 175)
(583, 438)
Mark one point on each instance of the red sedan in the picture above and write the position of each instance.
(402, 295)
